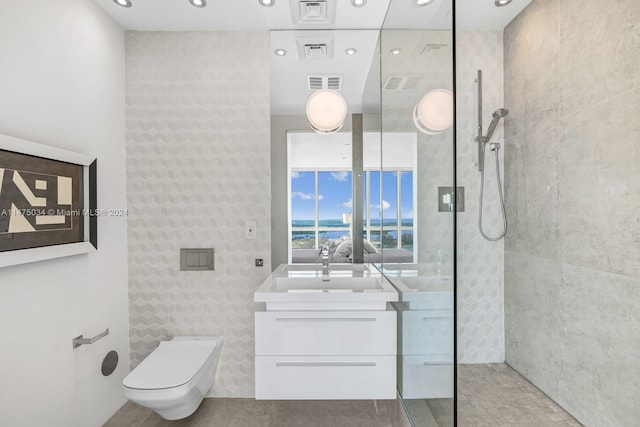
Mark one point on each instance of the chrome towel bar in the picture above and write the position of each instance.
(80, 340)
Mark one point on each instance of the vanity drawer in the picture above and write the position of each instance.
(427, 332)
(325, 333)
(325, 377)
(425, 377)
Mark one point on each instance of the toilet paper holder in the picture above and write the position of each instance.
(80, 340)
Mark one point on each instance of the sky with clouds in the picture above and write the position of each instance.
(334, 195)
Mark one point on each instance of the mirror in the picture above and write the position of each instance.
(391, 160)
(325, 186)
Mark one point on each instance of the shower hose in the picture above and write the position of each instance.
(504, 213)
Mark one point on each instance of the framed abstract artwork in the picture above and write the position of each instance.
(47, 202)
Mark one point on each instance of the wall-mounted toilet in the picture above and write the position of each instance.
(175, 377)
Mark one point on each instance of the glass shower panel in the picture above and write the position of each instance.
(417, 106)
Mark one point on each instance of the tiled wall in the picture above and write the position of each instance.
(572, 270)
(480, 262)
(197, 137)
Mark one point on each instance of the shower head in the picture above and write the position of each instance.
(500, 113)
(497, 115)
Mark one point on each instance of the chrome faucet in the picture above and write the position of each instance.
(325, 264)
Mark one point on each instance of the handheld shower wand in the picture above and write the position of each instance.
(497, 115)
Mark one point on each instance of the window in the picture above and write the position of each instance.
(303, 210)
(321, 208)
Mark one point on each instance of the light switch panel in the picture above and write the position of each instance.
(250, 229)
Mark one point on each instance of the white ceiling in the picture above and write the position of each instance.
(245, 15)
(289, 90)
(232, 15)
(484, 15)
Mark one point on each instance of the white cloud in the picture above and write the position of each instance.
(305, 196)
(340, 176)
(385, 205)
(295, 175)
(348, 204)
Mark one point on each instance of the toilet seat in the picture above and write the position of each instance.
(171, 365)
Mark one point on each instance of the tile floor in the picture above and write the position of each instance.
(263, 413)
(491, 395)
(496, 395)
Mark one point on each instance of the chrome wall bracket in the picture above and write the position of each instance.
(80, 340)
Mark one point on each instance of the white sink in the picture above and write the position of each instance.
(287, 268)
(334, 284)
(423, 292)
(292, 289)
(427, 284)
(426, 292)
(421, 269)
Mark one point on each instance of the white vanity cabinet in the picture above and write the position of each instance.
(326, 354)
(425, 361)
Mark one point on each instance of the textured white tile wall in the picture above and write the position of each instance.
(480, 262)
(197, 136)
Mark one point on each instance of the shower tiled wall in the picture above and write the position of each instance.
(197, 146)
(572, 270)
(480, 262)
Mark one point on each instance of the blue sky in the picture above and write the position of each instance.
(334, 189)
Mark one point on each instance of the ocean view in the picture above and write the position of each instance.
(303, 232)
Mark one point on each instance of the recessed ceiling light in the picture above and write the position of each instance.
(396, 51)
(280, 52)
(351, 51)
(501, 3)
(267, 3)
(358, 3)
(123, 3)
(198, 3)
(423, 2)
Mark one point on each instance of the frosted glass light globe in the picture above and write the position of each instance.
(326, 111)
(434, 112)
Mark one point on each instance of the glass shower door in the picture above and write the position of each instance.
(417, 202)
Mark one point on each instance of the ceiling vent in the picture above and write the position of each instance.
(433, 47)
(315, 50)
(411, 83)
(334, 83)
(394, 83)
(314, 45)
(313, 11)
(324, 82)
